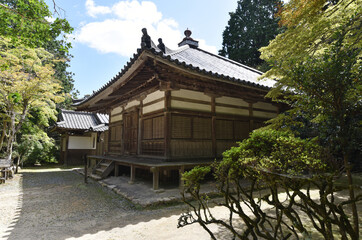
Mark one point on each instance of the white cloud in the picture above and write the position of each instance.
(93, 10)
(140, 12)
(50, 19)
(121, 32)
(209, 48)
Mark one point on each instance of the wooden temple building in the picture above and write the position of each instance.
(171, 110)
(82, 133)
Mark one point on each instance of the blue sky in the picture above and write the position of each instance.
(108, 32)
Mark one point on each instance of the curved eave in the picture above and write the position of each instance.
(140, 57)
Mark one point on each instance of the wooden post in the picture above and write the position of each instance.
(213, 127)
(132, 175)
(85, 168)
(155, 172)
(251, 117)
(181, 171)
(66, 150)
(116, 170)
(167, 124)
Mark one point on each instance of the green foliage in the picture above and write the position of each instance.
(32, 24)
(35, 146)
(251, 26)
(272, 151)
(27, 87)
(27, 24)
(193, 177)
(267, 183)
(317, 65)
(27, 21)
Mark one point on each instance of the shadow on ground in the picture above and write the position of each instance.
(56, 204)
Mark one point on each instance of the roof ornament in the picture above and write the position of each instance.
(188, 40)
(146, 39)
(161, 45)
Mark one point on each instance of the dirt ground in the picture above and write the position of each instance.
(55, 203)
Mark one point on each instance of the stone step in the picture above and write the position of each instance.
(95, 177)
(104, 164)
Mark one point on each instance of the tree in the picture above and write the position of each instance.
(251, 26)
(267, 185)
(26, 83)
(31, 23)
(317, 65)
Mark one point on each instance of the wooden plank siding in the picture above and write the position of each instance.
(184, 124)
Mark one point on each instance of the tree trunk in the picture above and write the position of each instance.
(3, 134)
(351, 195)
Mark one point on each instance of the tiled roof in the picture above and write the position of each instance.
(216, 65)
(82, 121)
(201, 61)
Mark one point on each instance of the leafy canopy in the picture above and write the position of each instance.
(251, 26)
(27, 83)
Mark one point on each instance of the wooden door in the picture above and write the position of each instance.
(130, 132)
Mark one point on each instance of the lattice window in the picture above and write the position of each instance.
(224, 129)
(118, 132)
(147, 129)
(241, 130)
(181, 127)
(202, 128)
(113, 133)
(158, 127)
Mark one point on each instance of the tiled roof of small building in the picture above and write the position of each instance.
(74, 120)
(196, 59)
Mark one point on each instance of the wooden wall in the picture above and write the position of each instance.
(178, 124)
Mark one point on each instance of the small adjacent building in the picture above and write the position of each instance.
(81, 133)
(174, 109)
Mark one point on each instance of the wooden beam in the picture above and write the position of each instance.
(167, 124)
(251, 123)
(156, 177)
(181, 182)
(132, 174)
(213, 127)
(140, 127)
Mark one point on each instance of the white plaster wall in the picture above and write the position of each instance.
(190, 106)
(153, 107)
(154, 96)
(263, 105)
(132, 104)
(232, 101)
(82, 142)
(264, 114)
(190, 95)
(234, 111)
(116, 118)
(116, 110)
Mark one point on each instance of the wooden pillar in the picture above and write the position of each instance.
(122, 127)
(167, 124)
(251, 117)
(66, 150)
(156, 177)
(85, 168)
(132, 174)
(181, 171)
(213, 126)
(140, 129)
(116, 170)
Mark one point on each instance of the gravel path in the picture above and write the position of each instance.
(56, 204)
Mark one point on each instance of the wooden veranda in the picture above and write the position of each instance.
(154, 165)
